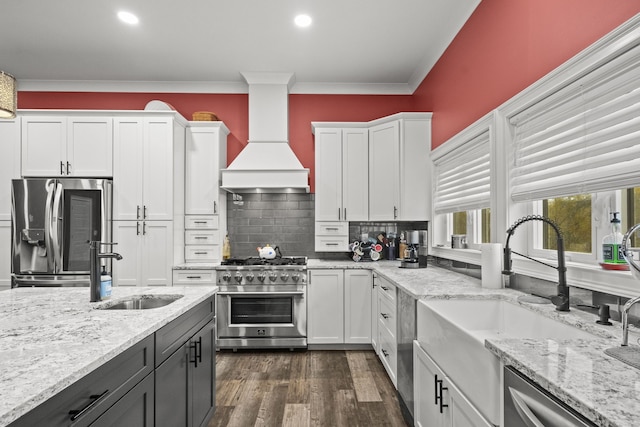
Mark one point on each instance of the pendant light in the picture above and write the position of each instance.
(8, 96)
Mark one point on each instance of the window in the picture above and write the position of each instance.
(572, 215)
(631, 212)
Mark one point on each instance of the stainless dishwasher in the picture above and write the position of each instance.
(528, 405)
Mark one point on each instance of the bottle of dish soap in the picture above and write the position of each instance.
(612, 258)
(105, 284)
(226, 248)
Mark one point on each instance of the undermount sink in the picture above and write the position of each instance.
(141, 302)
(453, 332)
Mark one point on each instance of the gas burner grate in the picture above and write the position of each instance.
(261, 261)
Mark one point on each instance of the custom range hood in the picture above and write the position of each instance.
(267, 164)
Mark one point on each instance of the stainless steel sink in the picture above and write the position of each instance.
(141, 302)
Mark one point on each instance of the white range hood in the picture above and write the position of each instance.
(267, 164)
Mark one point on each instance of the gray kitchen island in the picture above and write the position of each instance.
(64, 359)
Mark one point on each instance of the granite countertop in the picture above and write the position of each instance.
(576, 371)
(52, 337)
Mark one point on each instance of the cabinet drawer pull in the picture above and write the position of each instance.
(95, 398)
(200, 253)
(199, 222)
(332, 228)
(194, 277)
(201, 237)
(331, 244)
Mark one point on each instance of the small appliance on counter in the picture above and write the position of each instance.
(416, 252)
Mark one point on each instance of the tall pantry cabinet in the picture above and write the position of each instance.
(205, 205)
(9, 169)
(148, 202)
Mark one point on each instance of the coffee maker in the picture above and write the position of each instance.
(416, 256)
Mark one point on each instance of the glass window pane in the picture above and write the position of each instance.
(632, 216)
(460, 222)
(486, 225)
(572, 214)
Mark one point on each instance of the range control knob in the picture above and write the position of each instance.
(249, 277)
(284, 277)
(262, 276)
(273, 276)
(238, 277)
(226, 276)
(295, 277)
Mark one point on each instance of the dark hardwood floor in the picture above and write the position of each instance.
(304, 388)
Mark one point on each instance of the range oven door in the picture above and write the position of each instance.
(262, 317)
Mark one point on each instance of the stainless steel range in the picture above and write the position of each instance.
(262, 303)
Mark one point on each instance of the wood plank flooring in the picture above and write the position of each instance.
(304, 388)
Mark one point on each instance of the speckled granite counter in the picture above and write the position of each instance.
(50, 338)
(578, 372)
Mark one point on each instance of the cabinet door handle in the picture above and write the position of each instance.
(95, 398)
(215, 207)
(395, 212)
(137, 228)
(345, 214)
(435, 388)
(442, 404)
(144, 228)
(384, 315)
(384, 352)
(137, 211)
(68, 168)
(384, 288)
(61, 168)
(196, 346)
(339, 214)
(144, 212)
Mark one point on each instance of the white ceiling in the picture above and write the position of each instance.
(352, 46)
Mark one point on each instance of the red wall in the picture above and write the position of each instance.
(504, 47)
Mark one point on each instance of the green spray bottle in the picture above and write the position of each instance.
(611, 256)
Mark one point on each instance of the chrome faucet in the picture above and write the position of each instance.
(635, 271)
(561, 300)
(94, 267)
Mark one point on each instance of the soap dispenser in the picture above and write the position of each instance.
(105, 284)
(612, 258)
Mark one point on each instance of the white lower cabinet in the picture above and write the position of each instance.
(339, 307)
(387, 347)
(438, 402)
(147, 253)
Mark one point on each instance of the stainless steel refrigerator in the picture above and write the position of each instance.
(53, 220)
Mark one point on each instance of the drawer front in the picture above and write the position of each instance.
(202, 237)
(332, 229)
(202, 253)
(331, 244)
(172, 336)
(96, 392)
(194, 277)
(387, 315)
(194, 222)
(387, 352)
(386, 288)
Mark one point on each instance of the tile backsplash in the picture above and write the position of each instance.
(285, 220)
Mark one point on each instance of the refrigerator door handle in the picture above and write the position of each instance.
(56, 227)
(49, 225)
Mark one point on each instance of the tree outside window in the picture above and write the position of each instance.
(572, 214)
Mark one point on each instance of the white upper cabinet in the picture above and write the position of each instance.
(76, 146)
(146, 152)
(384, 164)
(9, 163)
(399, 183)
(341, 174)
(206, 155)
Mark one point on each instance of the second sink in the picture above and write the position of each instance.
(453, 332)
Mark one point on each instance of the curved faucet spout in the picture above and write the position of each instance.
(561, 300)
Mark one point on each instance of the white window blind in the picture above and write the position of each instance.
(463, 177)
(582, 138)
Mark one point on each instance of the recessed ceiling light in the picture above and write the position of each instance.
(302, 20)
(128, 17)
